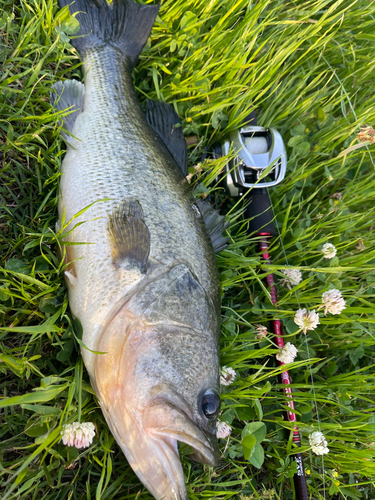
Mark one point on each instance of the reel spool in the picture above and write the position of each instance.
(256, 149)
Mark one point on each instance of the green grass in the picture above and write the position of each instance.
(307, 67)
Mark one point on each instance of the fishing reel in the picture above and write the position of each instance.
(260, 163)
(256, 149)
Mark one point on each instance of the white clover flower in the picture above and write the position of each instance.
(360, 246)
(318, 443)
(293, 277)
(78, 435)
(188, 177)
(261, 331)
(268, 494)
(306, 320)
(227, 375)
(287, 353)
(223, 430)
(329, 251)
(333, 302)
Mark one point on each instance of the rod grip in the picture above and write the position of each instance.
(300, 479)
(259, 210)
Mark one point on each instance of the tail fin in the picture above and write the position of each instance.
(122, 23)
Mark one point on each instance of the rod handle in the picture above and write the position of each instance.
(260, 213)
(300, 479)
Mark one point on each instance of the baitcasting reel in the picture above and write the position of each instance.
(257, 149)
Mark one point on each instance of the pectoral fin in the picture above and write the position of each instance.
(129, 235)
(68, 95)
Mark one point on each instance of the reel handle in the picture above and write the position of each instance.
(259, 210)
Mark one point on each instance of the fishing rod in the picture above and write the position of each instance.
(260, 163)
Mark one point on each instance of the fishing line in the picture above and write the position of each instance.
(306, 343)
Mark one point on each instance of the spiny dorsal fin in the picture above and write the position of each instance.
(163, 119)
(68, 94)
(215, 224)
(129, 235)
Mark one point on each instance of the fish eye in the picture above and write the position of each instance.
(210, 404)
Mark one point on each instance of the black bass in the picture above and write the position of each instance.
(144, 284)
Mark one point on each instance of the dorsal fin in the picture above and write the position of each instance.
(68, 94)
(163, 119)
(215, 224)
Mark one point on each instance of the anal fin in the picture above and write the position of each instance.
(129, 235)
(163, 119)
(68, 95)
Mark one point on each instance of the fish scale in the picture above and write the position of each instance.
(143, 281)
(138, 167)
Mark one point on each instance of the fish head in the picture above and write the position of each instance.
(162, 391)
(158, 384)
(181, 399)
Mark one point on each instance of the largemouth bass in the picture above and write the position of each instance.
(144, 284)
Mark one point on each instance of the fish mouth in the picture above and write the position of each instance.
(204, 449)
(202, 453)
(166, 424)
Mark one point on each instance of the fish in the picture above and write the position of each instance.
(140, 254)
